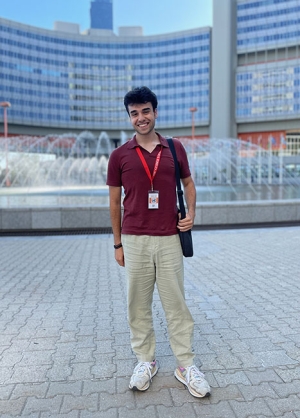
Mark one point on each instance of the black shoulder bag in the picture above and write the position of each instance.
(185, 237)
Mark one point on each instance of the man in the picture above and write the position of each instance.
(148, 243)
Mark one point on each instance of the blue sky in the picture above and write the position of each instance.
(156, 16)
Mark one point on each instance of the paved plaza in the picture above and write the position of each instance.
(64, 339)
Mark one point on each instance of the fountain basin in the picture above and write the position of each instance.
(217, 214)
(95, 196)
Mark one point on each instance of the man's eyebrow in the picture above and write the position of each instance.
(143, 110)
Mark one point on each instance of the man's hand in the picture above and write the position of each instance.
(119, 256)
(186, 223)
(190, 198)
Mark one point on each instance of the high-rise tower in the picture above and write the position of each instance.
(101, 14)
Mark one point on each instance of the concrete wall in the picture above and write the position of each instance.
(208, 214)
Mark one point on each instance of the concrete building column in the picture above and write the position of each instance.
(223, 68)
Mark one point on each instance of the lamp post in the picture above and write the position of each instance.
(193, 110)
(5, 105)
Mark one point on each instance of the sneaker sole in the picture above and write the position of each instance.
(193, 393)
(135, 389)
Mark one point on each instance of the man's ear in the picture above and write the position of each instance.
(155, 113)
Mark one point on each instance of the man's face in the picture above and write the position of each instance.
(142, 117)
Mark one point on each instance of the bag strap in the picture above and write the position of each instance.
(177, 172)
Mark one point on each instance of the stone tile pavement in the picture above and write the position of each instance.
(64, 339)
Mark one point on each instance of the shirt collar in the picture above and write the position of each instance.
(132, 143)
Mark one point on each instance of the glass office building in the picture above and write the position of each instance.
(101, 14)
(78, 81)
(266, 24)
(268, 74)
(56, 79)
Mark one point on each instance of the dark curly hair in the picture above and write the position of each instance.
(140, 95)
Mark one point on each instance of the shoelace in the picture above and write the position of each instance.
(142, 365)
(195, 371)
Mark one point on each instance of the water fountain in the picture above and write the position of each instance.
(54, 170)
(231, 169)
(58, 183)
(70, 170)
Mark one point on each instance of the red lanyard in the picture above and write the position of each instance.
(138, 150)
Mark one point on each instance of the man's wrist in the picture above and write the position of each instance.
(192, 214)
(117, 246)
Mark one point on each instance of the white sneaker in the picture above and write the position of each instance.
(194, 380)
(142, 375)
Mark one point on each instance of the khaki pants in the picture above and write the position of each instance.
(150, 260)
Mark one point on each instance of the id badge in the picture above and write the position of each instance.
(153, 199)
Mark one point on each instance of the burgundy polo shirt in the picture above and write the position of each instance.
(126, 169)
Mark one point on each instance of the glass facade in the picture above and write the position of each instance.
(77, 81)
(270, 90)
(101, 14)
(264, 24)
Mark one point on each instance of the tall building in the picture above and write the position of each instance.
(101, 14)
(244, 80)
(68, 82)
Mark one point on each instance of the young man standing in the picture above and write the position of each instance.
(147, 241)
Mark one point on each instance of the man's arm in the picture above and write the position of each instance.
(190, 198)
(115, 217)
